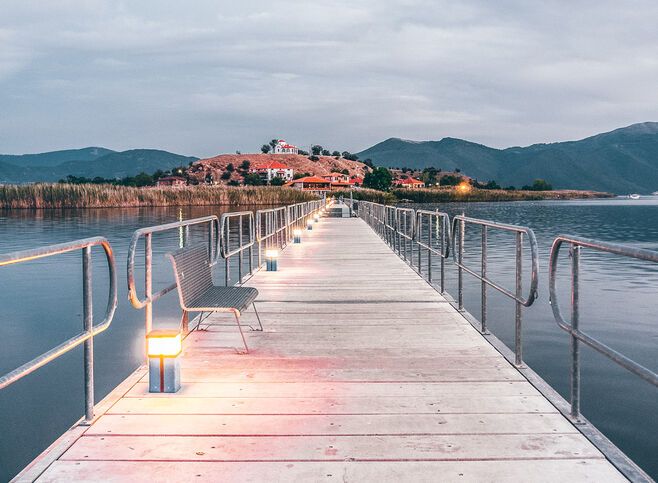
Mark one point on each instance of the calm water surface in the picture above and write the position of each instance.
(40, 306)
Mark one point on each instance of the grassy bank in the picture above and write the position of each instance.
(48, 195)
(451, 194)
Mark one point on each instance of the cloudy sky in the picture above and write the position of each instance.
(204, 77)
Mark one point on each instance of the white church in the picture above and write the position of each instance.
(282, 147)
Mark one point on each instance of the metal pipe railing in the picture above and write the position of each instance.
(433, 226)
(459, 224)
(234, 224)
(149, 297)
(86, 337)
(573, 328)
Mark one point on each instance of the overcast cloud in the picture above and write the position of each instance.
(204, 77)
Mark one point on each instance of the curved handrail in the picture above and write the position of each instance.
(534, 256)
(224, 242)
(147, 231)
(574, 331)
(445, 230)
(90, 330)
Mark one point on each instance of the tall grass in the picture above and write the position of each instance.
(51, 195)
(449, 194)
(366, 194)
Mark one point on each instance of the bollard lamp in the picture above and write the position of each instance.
(164, 347)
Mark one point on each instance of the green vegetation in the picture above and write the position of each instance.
(366, 194)
(60, 195)
(378, 179)
(538, 185)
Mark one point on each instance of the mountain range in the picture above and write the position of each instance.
(621, 161)
(88, 162)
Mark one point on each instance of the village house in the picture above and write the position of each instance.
(409, 183)
(171, 181)
(337, 177)
(273, 169)
(357, 181)
(311, 183)
(282, 147)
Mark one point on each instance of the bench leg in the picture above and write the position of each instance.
(244, 341)
(258, 317)
(185, 322)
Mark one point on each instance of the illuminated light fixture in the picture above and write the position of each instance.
(309, 224)
(297, 236)
(271, 260)
(164, 347)
(316, 217)
(464, 187)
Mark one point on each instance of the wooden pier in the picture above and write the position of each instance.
(363, 373)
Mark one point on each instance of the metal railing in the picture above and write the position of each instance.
(234, 241)
(147, 233)
(271, 227)
(86, 337)
(459, 224)
(433, 226)
(408, 232)
(573, 328)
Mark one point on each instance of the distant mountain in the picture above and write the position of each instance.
(54, 158)
(621, 161)
(88, 162)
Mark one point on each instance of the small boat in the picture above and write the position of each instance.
(634, 196)
(655, 193)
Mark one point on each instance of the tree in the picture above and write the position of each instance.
(378, 179)
(226, 174)
(368, 162)
(457, 170)
(345, 171)
(300, 175)
(253, 180)
(143, 179)
(277, 181)
(265, 148)
(230, 168)
(233, 182)
(316, 149)
(314, 158)
(301, 152)
(273, 143)
(450, 180)
(538, 185)
(246, 164)
(336, 154)
(325, 152)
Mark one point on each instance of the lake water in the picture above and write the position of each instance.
(40, 306)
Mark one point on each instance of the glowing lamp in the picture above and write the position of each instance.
(316, 217)
(297, 236)
(464, 187)
(164, 347)
(271, 260)
(309, 224)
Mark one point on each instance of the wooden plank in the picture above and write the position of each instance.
(345, 425)
(333, 405)
(537, 470)
(331, 448)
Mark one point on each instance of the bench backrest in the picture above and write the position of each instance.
(192, 270)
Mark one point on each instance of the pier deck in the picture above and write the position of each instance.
(363, 373)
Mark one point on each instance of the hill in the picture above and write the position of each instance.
(215, 166)
(87, 162)
(621, 161)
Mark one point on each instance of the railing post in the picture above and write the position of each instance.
(575, 349)
(443, 261)
(240, 258)
(460, 259)
(148, 288)
(88, 321)
(429, 251)
(483, 284)
(227, 264)
(420, 252)
(518, 341)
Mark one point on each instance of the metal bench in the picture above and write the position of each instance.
(197, 293)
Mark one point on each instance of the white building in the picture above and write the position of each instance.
(282, 147)
(273, 169)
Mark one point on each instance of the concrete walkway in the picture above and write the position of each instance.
(363, 373)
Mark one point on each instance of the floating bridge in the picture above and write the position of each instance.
(364, 371)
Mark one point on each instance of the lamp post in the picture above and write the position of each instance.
(297, 236)
(164, 347)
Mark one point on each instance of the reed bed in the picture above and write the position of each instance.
(61, 195)
(451, 194)
(365, 194)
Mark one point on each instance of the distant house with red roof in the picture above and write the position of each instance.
(171, 181)
(311, 183)
(357, 181)
(337, 178)
(282, 147)
(273, 169)
(409, 183)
